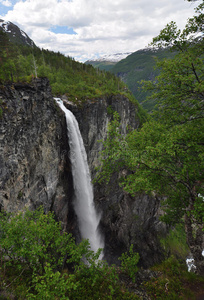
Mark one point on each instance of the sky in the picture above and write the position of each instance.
(87, 29)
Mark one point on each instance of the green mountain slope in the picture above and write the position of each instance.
(102, 65)
(78, 81)
(140, 66)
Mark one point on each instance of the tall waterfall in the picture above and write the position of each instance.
(88, 218)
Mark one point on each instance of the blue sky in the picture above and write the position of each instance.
(62, 30)
(6, 5)
(85, 29)
(4, 9)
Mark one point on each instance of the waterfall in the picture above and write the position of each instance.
(88, 219)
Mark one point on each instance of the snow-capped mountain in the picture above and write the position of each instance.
(15, 34)
(111, 57)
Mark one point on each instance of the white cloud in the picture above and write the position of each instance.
(6, 3)
(102, 26)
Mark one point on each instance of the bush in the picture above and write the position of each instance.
(34, 251)
(175, 242)
(32, 239)
(129, 263)
(51, 286)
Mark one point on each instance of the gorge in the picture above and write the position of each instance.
(87, 217)
(36, 169)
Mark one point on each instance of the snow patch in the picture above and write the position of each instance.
(113, 57)
(5, 25)
(23, 34)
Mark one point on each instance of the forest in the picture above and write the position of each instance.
(78, 81)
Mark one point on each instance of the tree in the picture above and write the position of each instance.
(166, 155)
(7, 58)
(35, 249)
(32, 240)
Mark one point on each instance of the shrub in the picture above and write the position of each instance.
(129, 263)
(51, 285)
(31, 239)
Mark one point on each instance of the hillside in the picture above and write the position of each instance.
(22, 61)
(137, 66)
(15, 34)
(140, 66)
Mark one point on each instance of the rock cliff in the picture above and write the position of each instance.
(35, 168)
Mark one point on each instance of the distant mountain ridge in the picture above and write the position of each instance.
(133, 68)
(15, 34)
(116, 57)
(138, 66)
(106, 62)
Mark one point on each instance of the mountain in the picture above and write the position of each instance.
(106, 62)
(135, 67)
(15, 34)
(78, 81)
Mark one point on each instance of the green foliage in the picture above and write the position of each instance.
(110, 110)
(52, 285)
(96, 279)
(135, 67)
(101, 65)
(141, 65)
(138, 66)
(80, 82)
(86, 277)
(165, 156)
(175, 242)
(33, 254)
(42, 242)
(129, 263)
(173, 281)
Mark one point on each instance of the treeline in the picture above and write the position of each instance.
(67, 76)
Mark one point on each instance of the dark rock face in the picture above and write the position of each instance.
(33, 151)
(15, 34)
(93, 119)
(35, 168)
(125, 220)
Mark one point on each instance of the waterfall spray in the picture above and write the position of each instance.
(88, 218)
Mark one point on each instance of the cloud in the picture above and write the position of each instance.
(6, 3)
(101, 26)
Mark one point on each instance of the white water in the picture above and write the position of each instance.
(190, 263)
(88, 218)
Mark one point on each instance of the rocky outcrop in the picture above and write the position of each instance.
(15, 34)
(35, 168)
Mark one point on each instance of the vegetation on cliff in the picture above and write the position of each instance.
(78, 81)
(141, 65)
(166, 155)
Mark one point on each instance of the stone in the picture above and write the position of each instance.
(33, 141)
